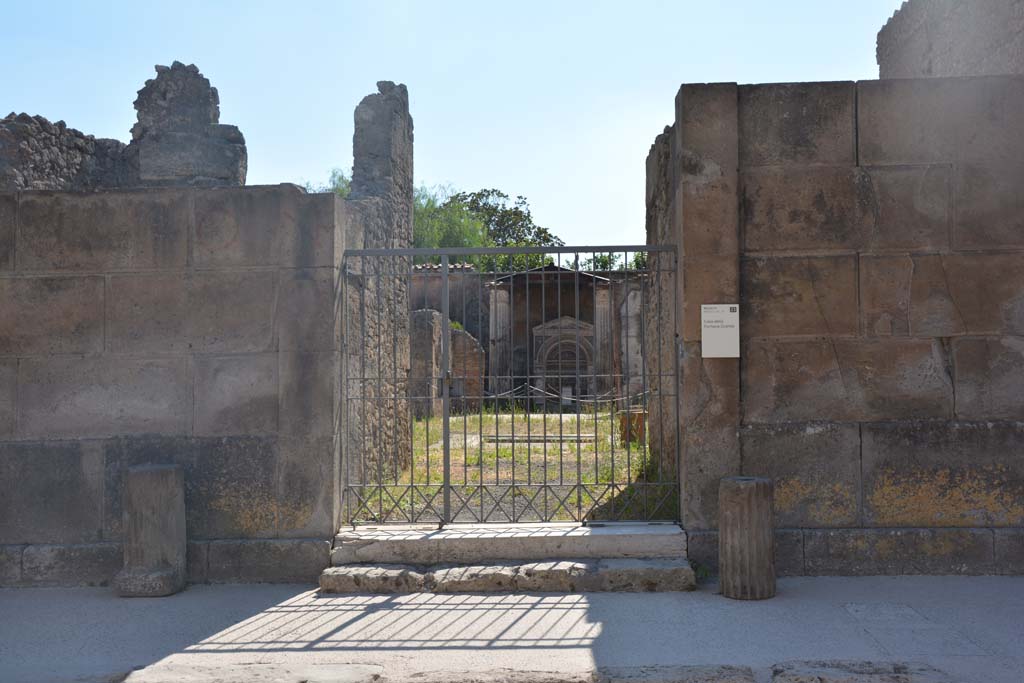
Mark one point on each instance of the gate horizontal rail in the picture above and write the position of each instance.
(520, 384)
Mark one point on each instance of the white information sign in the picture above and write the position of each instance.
(720, 330)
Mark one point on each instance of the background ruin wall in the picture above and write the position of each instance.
(873, 234)
(191, 326)
(952, 38)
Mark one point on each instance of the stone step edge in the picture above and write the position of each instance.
(551, 576)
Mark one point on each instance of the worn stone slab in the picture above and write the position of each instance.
(236, 394)
(988, 290)
(909, 295)
(989, 378)
(807, 208)
(796, 123)
(466, 579)
(856, 672)
(308, 399)
(197, 558)
(675, 674)
(704, 158)
(990, 209)
(706, 279)
(475, 544)
(268, 560)
(914, 207)
(385, 578)
(214, 156)
(103, 231)
(257, 673)
(866, 552)
(1010, 551)
(230, 482)
(708, 455)
(308, 319)
(962, 474)
(50, 492)
(815, 467)
(8, 216)
(10, 565)
(272, 225)
(845, 380)
(557, 576)
(70, 565)
(207, 311)
(44, 315)
(799, 296)
(68, 397)
(303, 489)
(635, 575)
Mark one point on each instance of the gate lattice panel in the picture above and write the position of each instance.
(509, 385)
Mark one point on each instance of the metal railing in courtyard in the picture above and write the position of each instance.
(530, 384)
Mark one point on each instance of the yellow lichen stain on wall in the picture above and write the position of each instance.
(251, 515)
(973, 496)
(810, 504)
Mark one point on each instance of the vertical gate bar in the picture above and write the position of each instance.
(410, 270)
(659, 335)
(561, 435)
(676, 393)
(577, 388)
(529, 383)
(343, 424)
(512, 372)
(492, 348)
(629, 384)
(544, 381)
(465, 380)
(379, 440)
(364, 278)
(645, 453)
(616, 378)
(594, 375)
(446, 339)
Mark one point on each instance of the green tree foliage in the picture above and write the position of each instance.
(508, 223)
(438, 222)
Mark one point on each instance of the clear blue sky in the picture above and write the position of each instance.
(555, 100)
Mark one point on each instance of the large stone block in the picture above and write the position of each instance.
(197, 556)
(70, 565)
(1010, 551)
(308, 385)
(933, 120)
(708, 455)
(799, 296)
(988, 290)
(103, 231)
(797, 123)
(8, 397)
(955, 474)
(66, 397)
(215, 156)
(710, 390)
(270, 561)
(50, 492)
(703, 181)
(308, 316)
(702, 552)
(303, 483)
(989, 206)
(908, 296)
(816, 469)
(230, 489)
(212, 312)
(845, 380)
(706, 280)
(989, 378)
(236, 394)
(807, 208)
(864, 552)
(264, 226)
(8, 217)
(914, 207)
(39, 316)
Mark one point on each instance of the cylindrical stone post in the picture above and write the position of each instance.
(746, 539)
(153, 499)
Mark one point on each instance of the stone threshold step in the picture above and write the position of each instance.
(488, 543)
(552, 576)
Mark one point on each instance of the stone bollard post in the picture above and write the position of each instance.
(154, 532)
(746, 539)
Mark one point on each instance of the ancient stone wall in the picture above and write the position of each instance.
(425, 363)
(168, 326)
(953, 38)
(872, 234)
(178, 140)
(468, 370)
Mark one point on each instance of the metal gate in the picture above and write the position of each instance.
(509, 385)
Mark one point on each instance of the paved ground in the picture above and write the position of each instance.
(972, 627)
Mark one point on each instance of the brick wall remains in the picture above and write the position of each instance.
(873, 234)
